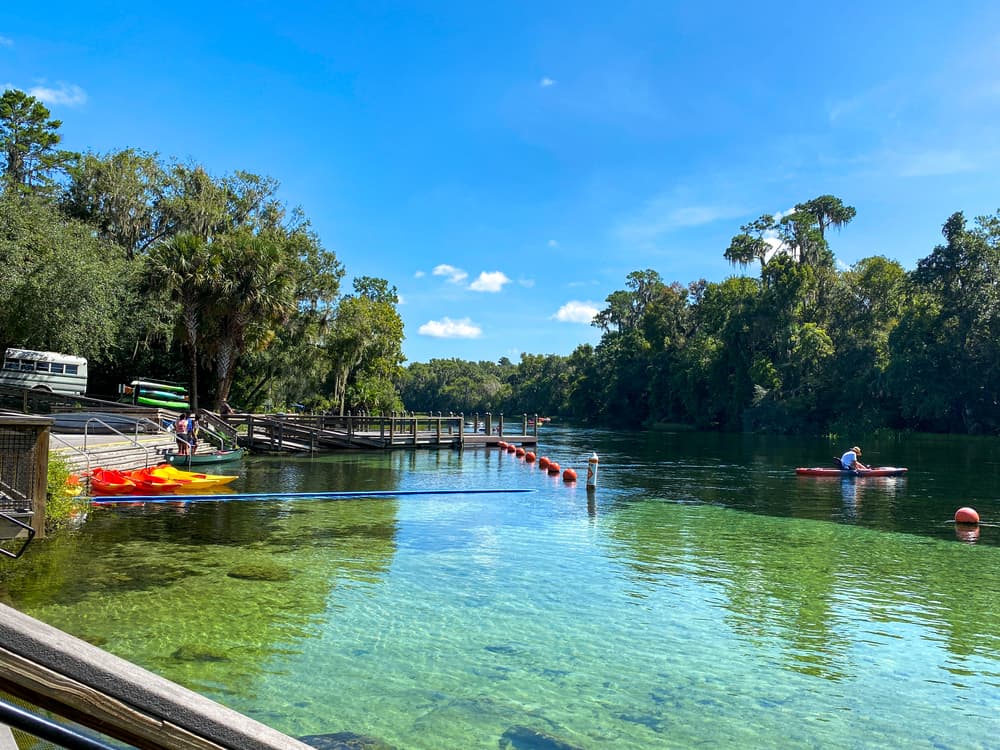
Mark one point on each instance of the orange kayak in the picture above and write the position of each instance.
(148, 481)
(110, 482)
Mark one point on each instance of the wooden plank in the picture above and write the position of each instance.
(81, 682)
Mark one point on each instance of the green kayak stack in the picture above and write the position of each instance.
(162, 395)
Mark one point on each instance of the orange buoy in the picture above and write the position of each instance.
(519, 452)
(502, 444)
(543, 462)
(553, 467)
(511, 448)
(529, 457)
(569, 475)
(966, 515)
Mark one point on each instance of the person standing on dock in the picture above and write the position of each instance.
(193, 432)
(181, 427)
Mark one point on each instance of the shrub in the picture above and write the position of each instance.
(61, 504)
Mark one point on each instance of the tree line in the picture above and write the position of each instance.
(798, 346)
(156, 268)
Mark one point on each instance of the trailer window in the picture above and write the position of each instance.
(56, 368)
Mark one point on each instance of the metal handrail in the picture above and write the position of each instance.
(136, 443)
(43, 729)
(86, 456)
(24, 527)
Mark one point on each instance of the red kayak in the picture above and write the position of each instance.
(110, 482)
(138, 482)
(875, 471)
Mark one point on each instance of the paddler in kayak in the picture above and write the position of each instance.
(849, 461)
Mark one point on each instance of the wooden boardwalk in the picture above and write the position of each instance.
(277, 433)
(287, 433)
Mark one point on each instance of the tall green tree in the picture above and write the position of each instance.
(828, 211)
(186, 270)
(365, 347)
(62, 288)
(29, 139)
(751, 244)
(197, 203)
(122, 195)
(945, 351)
(252, 293)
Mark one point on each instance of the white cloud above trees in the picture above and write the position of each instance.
(576, 312)
(446, 328)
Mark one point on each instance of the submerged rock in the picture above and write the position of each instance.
(344, 741)
(198, 653)
(260, 573)
(524, 738)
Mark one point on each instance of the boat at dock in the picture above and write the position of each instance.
(204, 459)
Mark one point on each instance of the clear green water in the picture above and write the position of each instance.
(704, 596)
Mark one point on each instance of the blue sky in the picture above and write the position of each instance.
(506, 165)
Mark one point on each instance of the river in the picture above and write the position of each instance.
(704, 595)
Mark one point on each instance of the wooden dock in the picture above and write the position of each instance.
(278, 433)
(290, 433)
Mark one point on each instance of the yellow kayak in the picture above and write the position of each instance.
(192, 479)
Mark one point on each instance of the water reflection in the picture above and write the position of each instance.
(966, 532)
(810, 588)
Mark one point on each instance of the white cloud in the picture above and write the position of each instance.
(661, 215)
(6, 41)
(526, 283)
(454, 275)
(68, 94)
(400, 299)
(576, 312)
(936, 162)
(419, 275)
(446, 328)
(489, 282)
(553, 243)
(546, 82)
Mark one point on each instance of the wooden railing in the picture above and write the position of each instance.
(323, 431)
(80, 682)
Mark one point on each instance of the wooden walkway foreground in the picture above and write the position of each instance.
(46, 667)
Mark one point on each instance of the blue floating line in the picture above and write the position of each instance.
(109, 499)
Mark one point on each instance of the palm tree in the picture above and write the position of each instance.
(182, 265)
(253, 290)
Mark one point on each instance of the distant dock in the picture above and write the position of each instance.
(279, 433)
